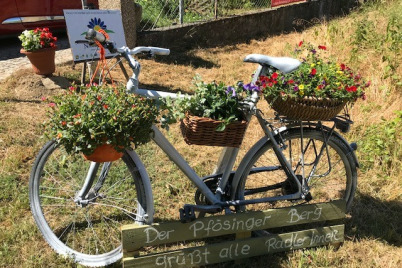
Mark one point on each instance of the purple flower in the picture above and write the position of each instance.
(251, 87)
(231, 89)
(313, 51)
(296, 88)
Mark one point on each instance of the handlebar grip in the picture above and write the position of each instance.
(160, 51)
(95, 35)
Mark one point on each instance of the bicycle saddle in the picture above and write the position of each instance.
(283, 64)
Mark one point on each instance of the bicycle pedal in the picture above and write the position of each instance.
(187, 214)
(308, 197)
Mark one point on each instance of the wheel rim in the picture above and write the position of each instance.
(90, 234)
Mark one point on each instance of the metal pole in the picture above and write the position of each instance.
(181, 11)
(84, 67)
(216, 9)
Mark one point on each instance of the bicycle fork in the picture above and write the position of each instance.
(88, 194)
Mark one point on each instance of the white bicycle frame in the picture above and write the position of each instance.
(228, 155)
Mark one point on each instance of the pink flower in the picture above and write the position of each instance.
(52, 104)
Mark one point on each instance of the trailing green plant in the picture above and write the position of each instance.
(381, 145)
(316, 77)
(213, 100)
(84, 118)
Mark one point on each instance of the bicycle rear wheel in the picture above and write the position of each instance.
(332, 178)
(88, 233)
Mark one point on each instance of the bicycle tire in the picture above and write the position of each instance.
(340, 183)
(90, 235)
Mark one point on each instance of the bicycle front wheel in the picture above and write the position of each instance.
(88, 232)
(330, 170)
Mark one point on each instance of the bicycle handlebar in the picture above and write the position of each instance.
(93, 35)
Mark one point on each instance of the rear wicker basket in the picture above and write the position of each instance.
(307, 109)
(202, 131)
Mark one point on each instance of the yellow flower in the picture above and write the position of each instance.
(312, 65)
(301, 87)
(301, 92)
(59, 135)
(318, 63)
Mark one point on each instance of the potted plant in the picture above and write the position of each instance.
(213, 115)
(93, 119)
(39, 46)
(318, 90)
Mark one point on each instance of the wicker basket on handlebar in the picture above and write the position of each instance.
(202, 131)
(308, 108)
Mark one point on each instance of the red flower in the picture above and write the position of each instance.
(351, 89)
(322, 47)
(274, 75)
(291, 81)
(300, 43)
(105, 106)
(63, 123)
(313, 71)
(343, 67)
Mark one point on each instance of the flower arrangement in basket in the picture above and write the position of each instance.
(213, 116)
(94, 118)
(39, 45)
(318, 90)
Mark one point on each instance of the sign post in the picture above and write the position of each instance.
(275, 3)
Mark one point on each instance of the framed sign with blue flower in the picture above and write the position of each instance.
(80, 21)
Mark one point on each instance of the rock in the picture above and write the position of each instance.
(55, 82)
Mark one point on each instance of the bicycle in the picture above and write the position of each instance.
(79, 206)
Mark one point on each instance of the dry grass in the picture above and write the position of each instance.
(373, 232)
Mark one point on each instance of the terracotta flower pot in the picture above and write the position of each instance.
(104, 153)
(42, 60)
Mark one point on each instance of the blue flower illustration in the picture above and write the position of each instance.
(97, 24)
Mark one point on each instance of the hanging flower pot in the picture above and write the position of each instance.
(42, 60)
(40, 46)
(99, 122)
(104, 153)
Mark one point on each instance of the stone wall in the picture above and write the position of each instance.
(249, 26)
(131, 16)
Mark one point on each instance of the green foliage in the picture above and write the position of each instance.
(387, 42)
(315, 77)
(381, 145)
(84, 118)
(213, 100)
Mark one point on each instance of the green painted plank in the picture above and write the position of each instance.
(239, 249)
(137, 236)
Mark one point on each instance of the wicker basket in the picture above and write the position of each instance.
(307, 109)
(202, 131)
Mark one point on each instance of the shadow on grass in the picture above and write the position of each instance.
(374, 218)
(186, 58)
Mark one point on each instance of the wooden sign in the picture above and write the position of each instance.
(135, 237)
(275, 3)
